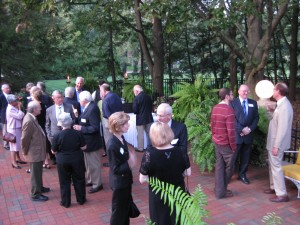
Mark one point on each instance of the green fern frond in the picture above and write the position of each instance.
(189, 209)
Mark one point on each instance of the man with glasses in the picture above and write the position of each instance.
(246, 119)
(164, 115)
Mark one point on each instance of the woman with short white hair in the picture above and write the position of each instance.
(14, 118)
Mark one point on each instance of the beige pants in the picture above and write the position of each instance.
(106, 133)
(277, 181)
(140, 135)
(93, 168)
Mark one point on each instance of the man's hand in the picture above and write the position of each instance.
(275, 151)
(77, 127)
(246, 131)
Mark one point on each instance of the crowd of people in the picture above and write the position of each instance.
(71, 129)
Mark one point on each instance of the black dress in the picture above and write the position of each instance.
(120, 179)
(70, 164)
(167, 165)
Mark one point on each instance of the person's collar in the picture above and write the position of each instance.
(170, 123)
(281, 100)
(32, 115)
(87, 104)
(241, 100)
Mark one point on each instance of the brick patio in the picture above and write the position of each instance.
(248, 205)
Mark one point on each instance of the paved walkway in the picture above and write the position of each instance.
(248, 205)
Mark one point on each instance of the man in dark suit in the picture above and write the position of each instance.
(89, 125)
(111, 103)
(246, 119)
(53, 112)
(69, 94)
(78, 88)
(3, 105)
(164, 115)
(33, 144)
(142, 107)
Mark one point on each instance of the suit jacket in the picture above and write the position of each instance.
(14, 118)
(120, 174)
(75, 94)
(51, 120)
(33, 140)
(3, 106)
(90, 127)
(75, 104)
(142, 107)
(180, 133)
(280, 127)
(242, 121)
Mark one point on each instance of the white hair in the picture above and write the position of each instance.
(165, 107)
(69, 92)
(4, 86)
(85, 96)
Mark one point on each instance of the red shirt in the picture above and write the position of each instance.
(222, 125)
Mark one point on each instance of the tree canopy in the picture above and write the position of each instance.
(237, 41)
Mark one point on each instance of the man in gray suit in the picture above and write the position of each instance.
(33, 143)
(279, 140)
(54, 111)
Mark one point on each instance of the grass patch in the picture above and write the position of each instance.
(60, 85)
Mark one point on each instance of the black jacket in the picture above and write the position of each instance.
(142, 107)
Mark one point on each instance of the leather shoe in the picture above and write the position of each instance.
(45, 189)
(89, 185)
(21, 162)
(104, 154)
(82, 202)
(7, 147)
(280, 199)
(228, 195)
(39, 198)
(93, 190)
(244, 180)
(269, 191)
(64, 205)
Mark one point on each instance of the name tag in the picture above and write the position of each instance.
(83, 120)
(122, 151)
(250, 105)
(174, 141)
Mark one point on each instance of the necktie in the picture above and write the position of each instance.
(59, 111)
(244, 107)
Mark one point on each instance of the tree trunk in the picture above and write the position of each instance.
(293, 50)
(188, 55)
(233, 63)
(111, 54)
(158, 56)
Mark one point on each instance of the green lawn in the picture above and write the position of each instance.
(60, 85)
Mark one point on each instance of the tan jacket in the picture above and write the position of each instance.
(33, 140)
(280, 127)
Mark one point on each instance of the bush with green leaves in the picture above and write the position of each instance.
(127, 92)
(190, 96)
(199, 134)
(189, 209)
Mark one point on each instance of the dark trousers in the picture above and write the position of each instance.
(243, 156)
(36, 179)
(224, 168)
(68, 172)
(121, 200)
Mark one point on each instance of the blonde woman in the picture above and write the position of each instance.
(121, 161)
(166, 162)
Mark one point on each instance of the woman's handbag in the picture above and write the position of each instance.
(134, 211)
(9, 137)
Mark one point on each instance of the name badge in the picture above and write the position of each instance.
(174, 141)
(122, 151)
(83, 120)
(250, 105)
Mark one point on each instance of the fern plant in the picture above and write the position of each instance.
(199, 135)
(190, 96)
(189, 209)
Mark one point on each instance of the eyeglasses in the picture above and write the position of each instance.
(162, 115)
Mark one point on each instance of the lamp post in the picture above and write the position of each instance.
(68, 81)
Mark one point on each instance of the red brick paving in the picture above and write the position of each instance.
(248, 205)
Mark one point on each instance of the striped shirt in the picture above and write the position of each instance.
(222, 125)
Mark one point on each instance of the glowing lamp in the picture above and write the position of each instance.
(264, 89)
